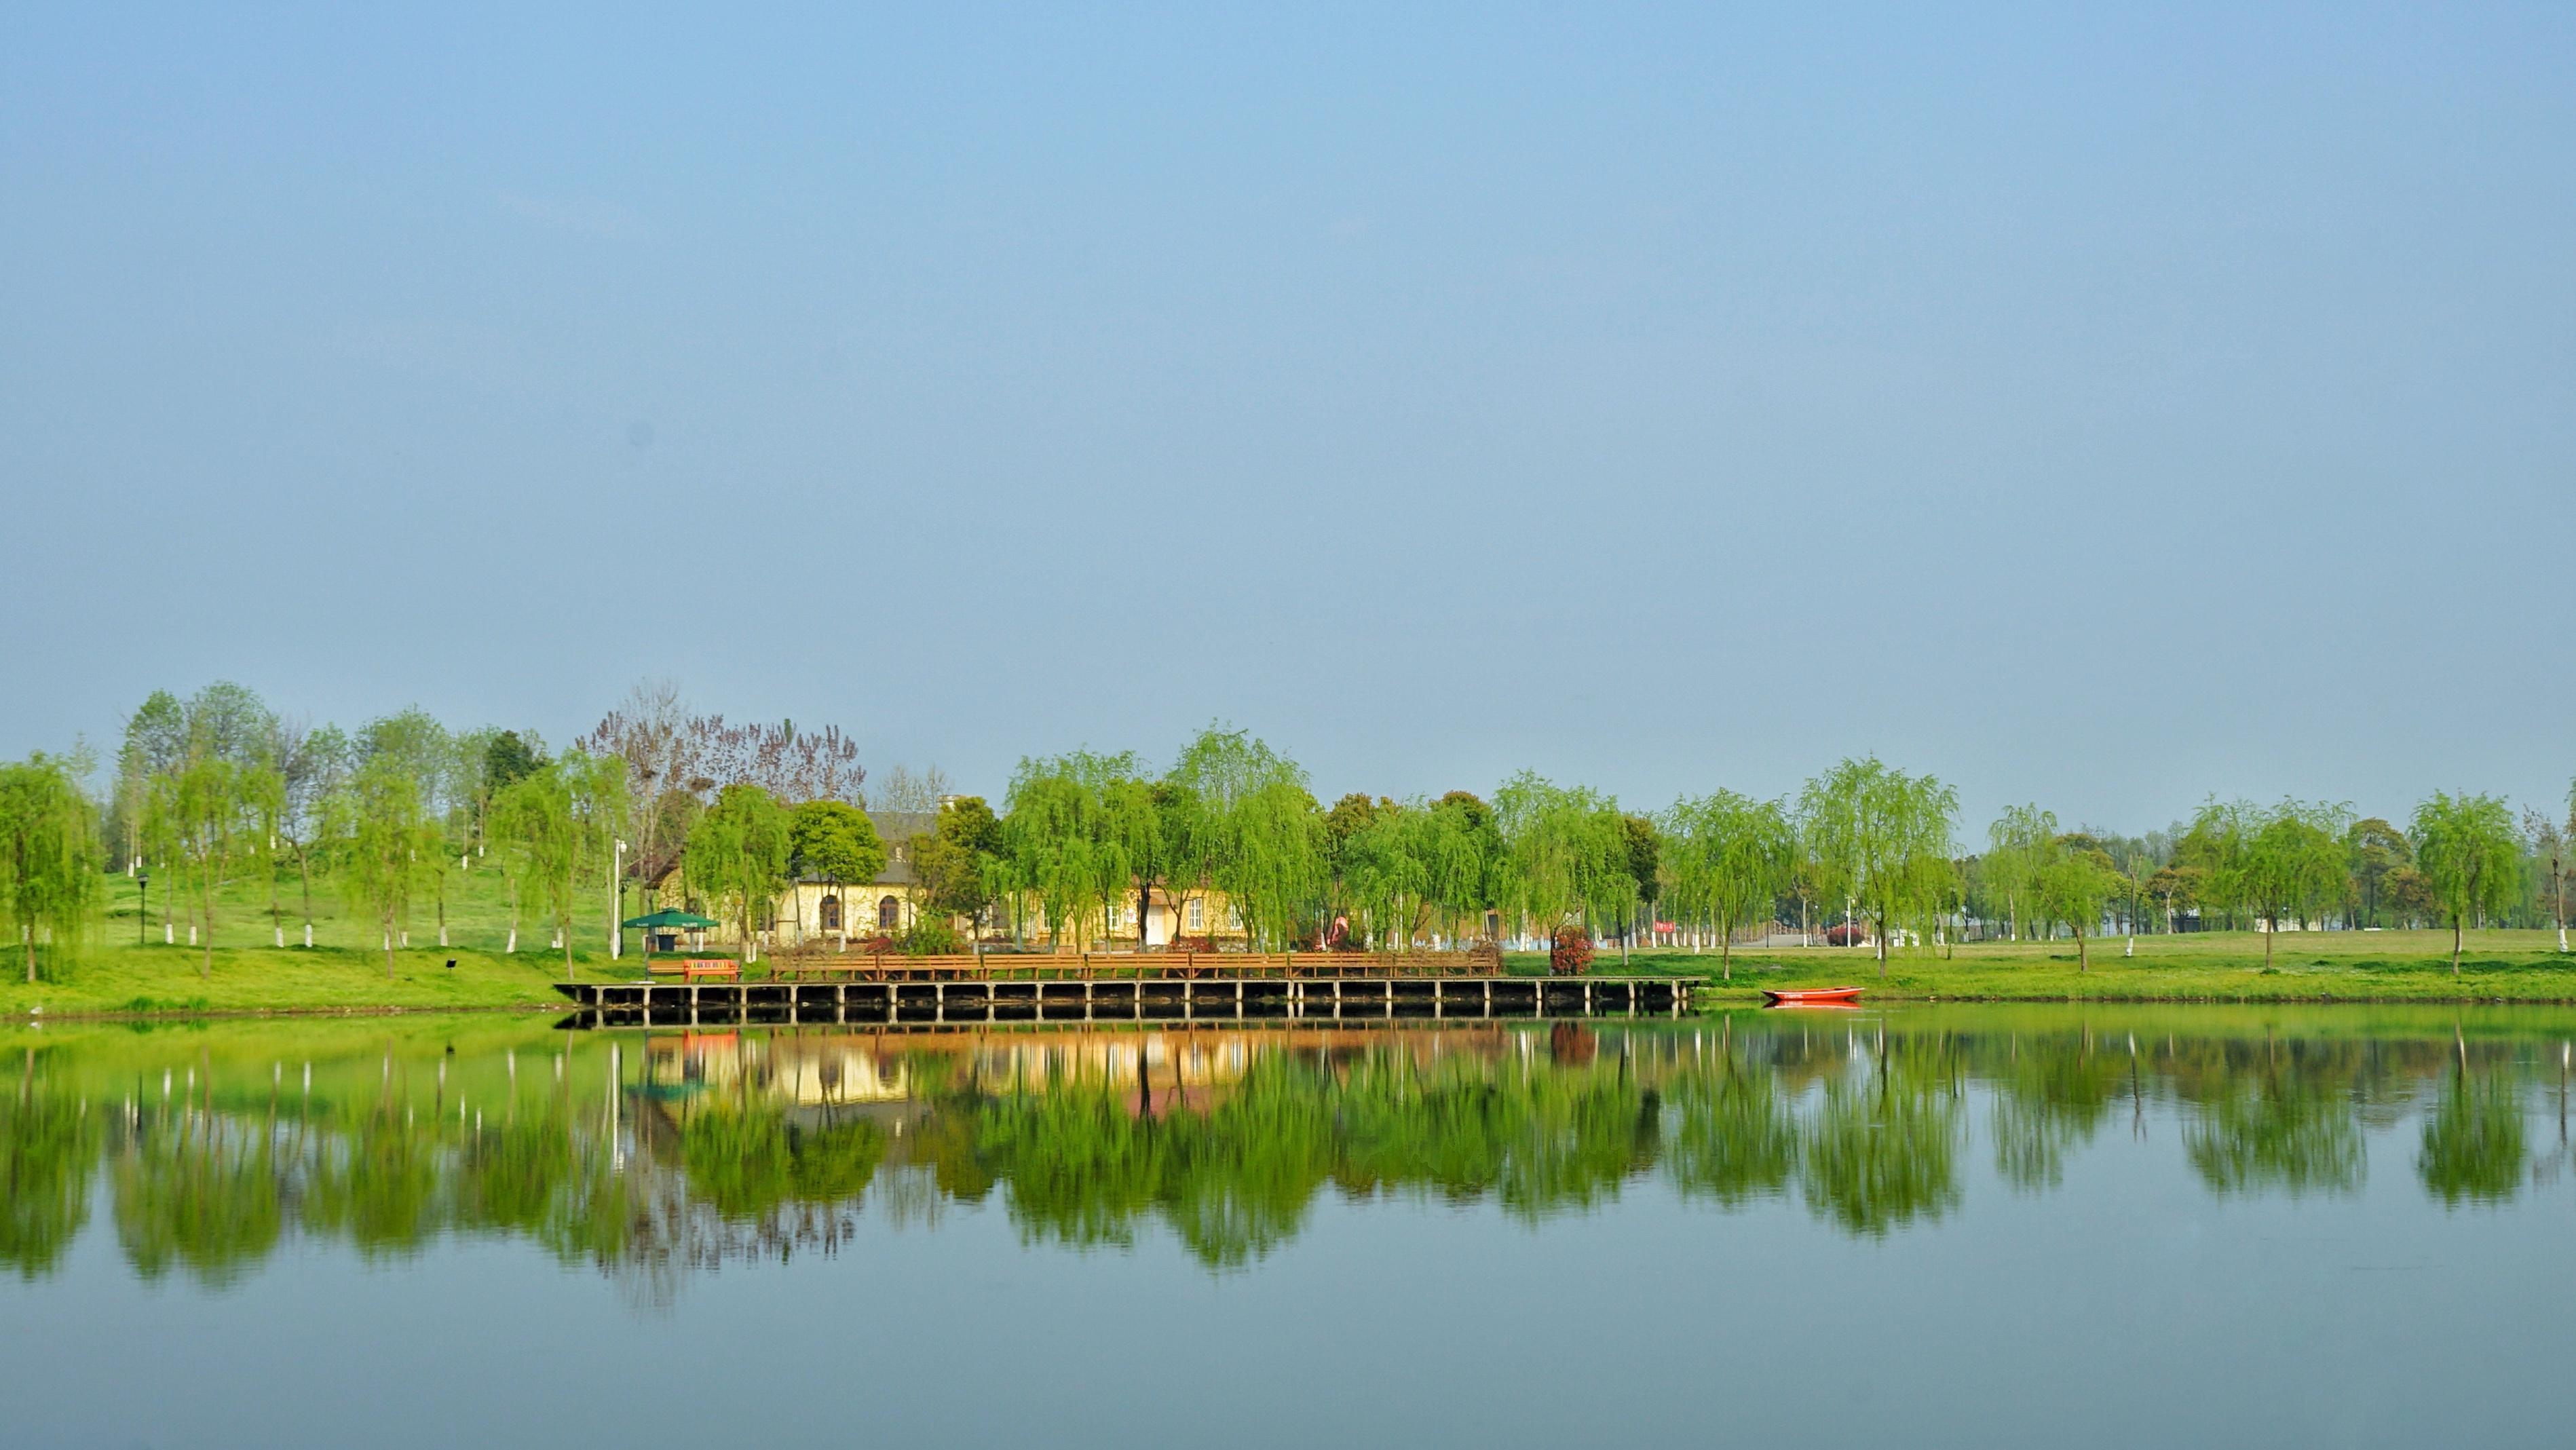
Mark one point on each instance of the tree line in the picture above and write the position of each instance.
(216, 792)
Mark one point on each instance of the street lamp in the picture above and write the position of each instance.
(142, 907)
(617, 903)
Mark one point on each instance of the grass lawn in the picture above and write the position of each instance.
(2380, 966)
(125, 967)
(117, 973)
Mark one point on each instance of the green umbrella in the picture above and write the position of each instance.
(673, 920)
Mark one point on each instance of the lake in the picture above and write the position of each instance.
(1941, 1225)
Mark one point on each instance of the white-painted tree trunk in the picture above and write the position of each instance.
(442, 938)
(2131, 949)
(308, 936)
(166, 938)
(192, 933)
(281, 935)
(513, 948)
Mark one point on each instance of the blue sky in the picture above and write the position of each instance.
(2102, 405)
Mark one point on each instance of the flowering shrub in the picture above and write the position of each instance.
(1571, 952)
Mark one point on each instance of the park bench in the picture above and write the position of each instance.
(693, 969)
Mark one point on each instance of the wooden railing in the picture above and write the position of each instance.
(1098, 966)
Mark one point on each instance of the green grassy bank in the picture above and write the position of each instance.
(126, 968)
(2385, 966)
(158, 979)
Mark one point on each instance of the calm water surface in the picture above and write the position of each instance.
(1941, 1226)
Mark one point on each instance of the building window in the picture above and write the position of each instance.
(889, 913)
(830, 913)
(1197, 914)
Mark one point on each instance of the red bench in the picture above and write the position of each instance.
(695, 968)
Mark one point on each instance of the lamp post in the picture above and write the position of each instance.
(142, 908)
(616, 902)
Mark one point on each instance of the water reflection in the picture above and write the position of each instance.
(650, 1155)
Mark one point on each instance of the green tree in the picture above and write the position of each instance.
(835, 841)
(1263, 834)
(382, 831)
(1883, 837)
(1731, 857)
(49, 866)
(509, 757)
(2074, 886)
(1645, 851)
(2373, 848)
(1063, 852)
(1464, 852)
(2019, 845)
(2466, 849)
(2549, 854)
(2216, 845)
(958, 861)
(415, 745)
(557, 824)
(210, 818)
(1565, 852)
(2293, 864)
(738, 855)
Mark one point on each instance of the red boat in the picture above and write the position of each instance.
(1811, 996)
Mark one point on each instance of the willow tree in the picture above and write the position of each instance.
(2216, 845)
(1465, 853)
(415, 743)
(556, 823)
(2018, 847)
(2073, 885)
(313, 767)
(2470, 858)
(211, 815)
(1566, 851)
(1883, 838)
(1261, 835)
(1730, 857)
(2294, 863)
(49, 857)
(1387, 871)
(382, 832)
(1053, 833)
(738, 855)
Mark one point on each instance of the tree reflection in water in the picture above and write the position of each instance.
(2473, 1140)
(654, 1155)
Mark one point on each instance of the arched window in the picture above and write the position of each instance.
(830, 913)
(889, 913)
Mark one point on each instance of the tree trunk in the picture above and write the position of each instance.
(2082, 961)
(563, 918)
(2455, 943)
(1726, 948)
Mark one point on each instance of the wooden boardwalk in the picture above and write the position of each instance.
(1129, 999)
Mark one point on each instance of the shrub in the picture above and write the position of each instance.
(931, 937)
(1571, 952)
